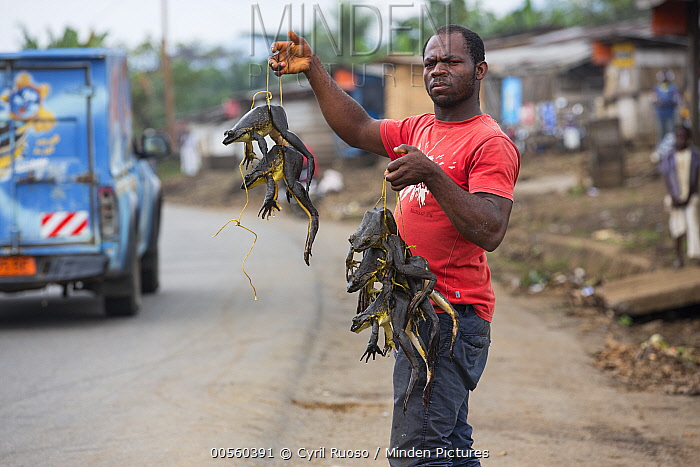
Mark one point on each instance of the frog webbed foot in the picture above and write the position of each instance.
(267, 208)
(372, 350)
(250, 155)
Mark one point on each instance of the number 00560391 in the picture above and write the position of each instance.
(17, 266)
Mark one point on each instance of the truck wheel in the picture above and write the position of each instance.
(128, 302)
(150, 273)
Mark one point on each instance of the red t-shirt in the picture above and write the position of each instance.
(480, 158)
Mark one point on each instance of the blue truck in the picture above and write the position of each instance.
(80, 203)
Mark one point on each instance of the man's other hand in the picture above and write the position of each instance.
(410, 169)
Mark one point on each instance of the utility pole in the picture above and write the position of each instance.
(167, 80)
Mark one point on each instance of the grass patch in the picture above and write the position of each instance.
(168, 168)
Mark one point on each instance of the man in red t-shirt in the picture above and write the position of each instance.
(455, 170)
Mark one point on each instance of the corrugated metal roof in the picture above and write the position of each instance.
(562, 55)
(566, 48)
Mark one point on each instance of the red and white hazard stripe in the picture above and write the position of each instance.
(63, 224)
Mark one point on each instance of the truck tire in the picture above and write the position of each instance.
(150, 270)
(128, 300)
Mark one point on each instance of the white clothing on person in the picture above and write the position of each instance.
(190, 159)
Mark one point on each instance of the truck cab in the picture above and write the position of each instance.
(79, 201)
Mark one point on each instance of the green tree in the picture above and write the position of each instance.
(413, 32)
(554, 14)
(591, 12)
(203, 77)
(68, 39)
(147, 91)
(346, 40)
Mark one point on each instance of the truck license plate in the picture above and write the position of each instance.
(17, 266)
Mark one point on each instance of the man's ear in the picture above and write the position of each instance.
(481, 69)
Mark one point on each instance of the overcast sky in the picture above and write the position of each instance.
(211, 22)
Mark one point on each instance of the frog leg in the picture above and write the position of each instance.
(425, 311)
(413, 268)
(270, 201)
(268, 171)
(292, 169)
(433, 347)
(250, 155)
(372, 347)
(429, 353)
(429, 313)
(420, 289)
(282, 132)
(304, 201)
(419, 345)
(389, 343)
(301, 147)
(399, 317)
(262, 144)
(442, 302)
(413, 275)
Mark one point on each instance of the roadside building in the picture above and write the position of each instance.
(542, 84)
(585, 74)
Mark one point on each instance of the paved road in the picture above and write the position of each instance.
(204, 365)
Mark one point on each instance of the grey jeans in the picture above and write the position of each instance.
(439, 435)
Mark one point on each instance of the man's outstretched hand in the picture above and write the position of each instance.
(290, 57)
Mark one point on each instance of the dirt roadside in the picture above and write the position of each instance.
(542, 400)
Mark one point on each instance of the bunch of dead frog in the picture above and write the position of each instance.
(284, 161)
(403, 300)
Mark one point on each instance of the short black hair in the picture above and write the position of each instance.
(472, 39)
(686, 128)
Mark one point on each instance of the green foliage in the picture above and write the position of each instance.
(69, 39)
(643, 239)
(577, 191)
(202, 78)
(587, 12)
(625, 320)
(413, 32)
(147, 90)
(345, 39)
(168, 168)
(535, 276)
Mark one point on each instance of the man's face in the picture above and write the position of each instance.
(681, 138)
(449, 72)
